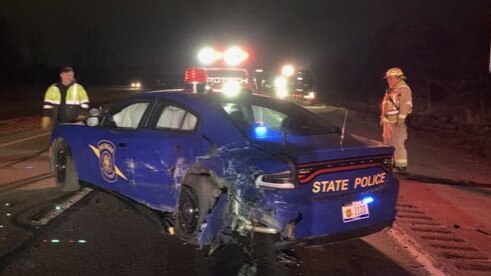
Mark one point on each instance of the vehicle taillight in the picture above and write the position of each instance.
(281, 180)
(307, 172)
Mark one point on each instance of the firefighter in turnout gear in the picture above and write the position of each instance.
(65, 101)
(396, 106)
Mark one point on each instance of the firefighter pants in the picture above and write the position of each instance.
(396, 135)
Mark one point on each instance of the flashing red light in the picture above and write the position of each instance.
(195, 75)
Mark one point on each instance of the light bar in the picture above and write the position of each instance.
(208, 56)
(195, 75)
(234, 56)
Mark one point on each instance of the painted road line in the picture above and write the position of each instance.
(62, 207)
(25, 139)
(416, 251)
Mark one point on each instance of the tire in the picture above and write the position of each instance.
(196, 199)
(63, 167)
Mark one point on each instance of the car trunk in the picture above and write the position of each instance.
(339, 188)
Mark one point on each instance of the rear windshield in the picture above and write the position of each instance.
(274, 117)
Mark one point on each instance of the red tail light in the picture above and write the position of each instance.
(307, 172)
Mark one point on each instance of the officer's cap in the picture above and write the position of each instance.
(66, 69)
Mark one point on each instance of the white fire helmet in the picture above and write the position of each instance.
(395, 72)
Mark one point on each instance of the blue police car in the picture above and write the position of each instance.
(221, 165)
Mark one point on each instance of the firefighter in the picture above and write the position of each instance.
(65, 101)
(396, 106)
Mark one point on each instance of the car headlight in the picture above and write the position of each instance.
(310, 96)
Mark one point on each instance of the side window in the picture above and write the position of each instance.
(173, 117)
(236, 113)
(129, 117)
(268, 117)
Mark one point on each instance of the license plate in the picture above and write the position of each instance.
(354, 211)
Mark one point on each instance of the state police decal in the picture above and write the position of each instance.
(106, 152)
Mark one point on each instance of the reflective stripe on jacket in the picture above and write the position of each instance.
(76, 102)
(397, 103)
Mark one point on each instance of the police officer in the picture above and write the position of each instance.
(395, 107)
(65, 101)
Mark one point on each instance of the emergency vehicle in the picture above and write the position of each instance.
(223, 72)
(296, 85)
(219, 164)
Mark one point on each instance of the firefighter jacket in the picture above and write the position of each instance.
(65, 104)
(397, 104)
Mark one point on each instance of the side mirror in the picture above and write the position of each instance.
(95, 112)
(94, 117)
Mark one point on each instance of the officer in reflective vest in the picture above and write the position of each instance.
(395, 107)
(65, 101)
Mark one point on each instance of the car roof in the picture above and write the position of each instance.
(184, 95)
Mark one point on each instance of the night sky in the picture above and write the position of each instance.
(346, 44)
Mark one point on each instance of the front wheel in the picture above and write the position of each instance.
(63, 167)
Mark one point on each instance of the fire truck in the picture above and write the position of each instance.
(224, 73)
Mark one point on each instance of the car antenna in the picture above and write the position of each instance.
(284, 139)
(344, 127)
(284, 124)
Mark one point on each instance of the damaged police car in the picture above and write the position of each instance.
(222, 165)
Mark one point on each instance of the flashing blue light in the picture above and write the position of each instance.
(260, 131)
(368, 199)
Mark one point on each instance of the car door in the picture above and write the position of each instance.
(170, 142)
(109, 145)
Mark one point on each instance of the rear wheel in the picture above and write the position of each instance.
(64, 169)
(196, 200)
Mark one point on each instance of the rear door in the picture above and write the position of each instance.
(167, 146)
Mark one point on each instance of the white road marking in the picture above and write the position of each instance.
(25, 139)
(62, 207)
(416, 250)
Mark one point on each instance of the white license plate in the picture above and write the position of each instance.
(354, 211)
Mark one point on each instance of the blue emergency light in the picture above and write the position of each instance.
(368, 199)
(260, 131)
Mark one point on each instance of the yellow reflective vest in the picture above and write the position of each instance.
(397, 103)
(76, 103)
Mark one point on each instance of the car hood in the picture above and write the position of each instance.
(307, 149)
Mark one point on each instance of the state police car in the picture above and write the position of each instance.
(221, 165)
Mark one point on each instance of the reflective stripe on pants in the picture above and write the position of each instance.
(396, 135)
